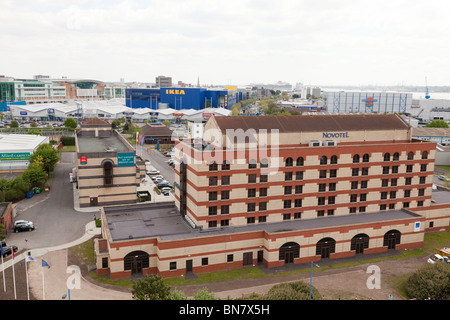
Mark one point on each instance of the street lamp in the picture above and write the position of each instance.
(310, 279)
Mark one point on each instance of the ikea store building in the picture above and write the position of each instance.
(182, 98)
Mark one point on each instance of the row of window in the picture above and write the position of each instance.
(289, 162)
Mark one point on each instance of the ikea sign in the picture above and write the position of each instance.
(175, 91)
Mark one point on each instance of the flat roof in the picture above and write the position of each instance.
(110, 143)
(10, 142)
(163, 220)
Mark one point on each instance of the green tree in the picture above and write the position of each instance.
(152, 287)
(298, 290)
(35, 175)
(70, 123)
(45, 156)
(204, 294)
(177, 295)
(14, 124)
(437, 124)
(432, 281)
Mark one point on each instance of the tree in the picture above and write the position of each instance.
(204, 294)
(14, 124)
(35, 175)
(152, 287)
(430, 282)
(45, 156)
(298, 290)
(437, 124)
(70, 123)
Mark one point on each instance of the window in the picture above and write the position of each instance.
(287, 190)
(354, 185)
(299, 175)
(264, 163)
(262, 219)
(263, 178)
(407, 194)
(262, 206)
(213, 166)
(204, 261)
(422, 180)
(410, 155)
(287, 204)
(251, 193)
(250, 220)
(409, 168)
(252, 164)
(226, 165)
(355, 172)
(364, 184)
(173, 266)
(251, 207)
(394, 182)
(352, 210)
(287, 216)
(385, 170)
(356, 158)
(420, 203)
(384, 195)
(387, 157)
(421, 192)
(322, 187)
(322, 174)
(332, 186)
(108, 173)
(362, 209)
(289, 162)
(225, 195)
(353, 197)
(320, 213)
(408, 181)
(365, 171)
(225, 209)
(287, 176)
(423, 167)
(382, 207)
(424, 155)
(366, 158)
(396, 157)
(321, 201)
(230, 258)
(300, 162)
(363, 197)
(384, 182)
(405, 204)
(263, 192)
(331, 200)
(225, 180)
(333, 173)
(252, 178)
(212, 224)
(212, 196)
(298, 189)
(395, 169)
(212, 181)
(393, 194)
(391, 206)
(333, 160)
(323, 160)
(212, 211)
(297, 203)
(297, 215)
(330, 212)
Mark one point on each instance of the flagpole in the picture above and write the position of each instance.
(3, 267)
(14, 276)
(43, 289)
(26, 273)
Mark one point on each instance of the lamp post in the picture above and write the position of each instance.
(310, 279)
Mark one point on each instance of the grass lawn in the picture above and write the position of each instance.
(444, 167)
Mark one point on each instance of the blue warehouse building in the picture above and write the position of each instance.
(181, 98)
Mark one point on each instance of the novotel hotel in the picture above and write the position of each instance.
(181, 98)
(277, 190)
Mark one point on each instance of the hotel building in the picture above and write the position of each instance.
(280, 189)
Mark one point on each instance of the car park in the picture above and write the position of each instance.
(157, 177)
(9, 250)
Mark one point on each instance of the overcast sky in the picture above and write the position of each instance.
(316, 42)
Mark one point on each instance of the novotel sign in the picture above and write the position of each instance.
(335, 135)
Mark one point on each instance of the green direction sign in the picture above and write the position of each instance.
(13, 156)
(125, 159)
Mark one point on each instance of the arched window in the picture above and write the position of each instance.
(424, 155)
(107, 172)
(333, 160)
(136, 261)
(226, 165)
(356, 158)
(359, 243)
(213, 166)
(289, 251)
(366, 158)
(252, 164)
(387, 157)
(300, 162)
(325, 247)
(264, 163)
(323, 160)
(396, 156)
(411, 155)
(391, 239)
(289, 162)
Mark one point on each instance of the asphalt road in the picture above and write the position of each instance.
(158, 161)
(56, 221)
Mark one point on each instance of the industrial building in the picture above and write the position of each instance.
(182, 98)
(16, 149)
(278, 190)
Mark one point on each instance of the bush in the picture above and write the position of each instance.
(67, 141)
(298, 290)
(430, 282)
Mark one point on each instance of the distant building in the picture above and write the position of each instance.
(163, 82)
(157, 133)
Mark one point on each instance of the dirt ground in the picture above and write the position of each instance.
(346, 283)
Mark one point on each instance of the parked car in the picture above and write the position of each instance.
(162, 185)
(9, 250)
(23, 227)
(170, 161)
(17, 222)
(153, 171)
(166, 189)
(165, 192)
(437, 258)
(443, 178)
(157, 177)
